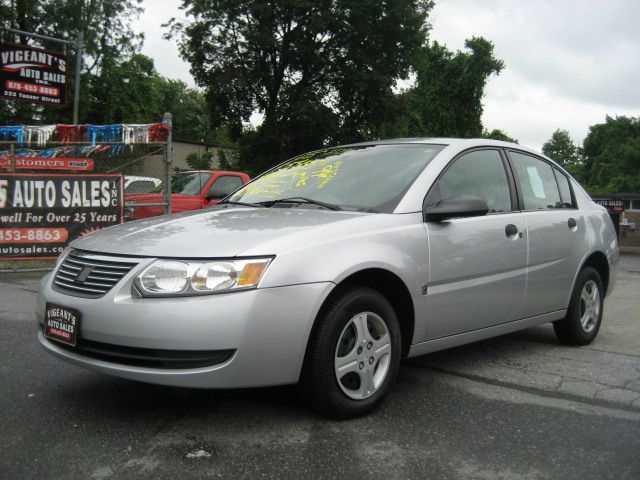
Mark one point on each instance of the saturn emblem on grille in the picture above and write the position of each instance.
(84, 273)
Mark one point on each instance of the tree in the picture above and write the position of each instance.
(561, 148)
(300, 63)
(124, 92)
(497, 134)
(612, 156)
(132, 91)
(199, 161)
(189, 108)
(447, 98)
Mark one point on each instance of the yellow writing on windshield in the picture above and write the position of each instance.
(304, 172)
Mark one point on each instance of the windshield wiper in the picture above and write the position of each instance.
(330, 206)
(246, 204)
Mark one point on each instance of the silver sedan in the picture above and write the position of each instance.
(330, 268)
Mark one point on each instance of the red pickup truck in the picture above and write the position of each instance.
(192, 190)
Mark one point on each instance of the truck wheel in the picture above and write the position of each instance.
(584, 315)
(353, 355)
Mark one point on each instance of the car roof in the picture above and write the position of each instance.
(135, 178)
(458, 143)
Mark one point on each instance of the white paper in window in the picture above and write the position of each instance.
(536, 182)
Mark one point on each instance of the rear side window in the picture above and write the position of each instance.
(480, 174)
(537, 182)
(565, 189)
(140, 186)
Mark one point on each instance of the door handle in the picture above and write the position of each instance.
(572, 223)
(511, 230)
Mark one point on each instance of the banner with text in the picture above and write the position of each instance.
(41, 214)
(33, 74)
(43, 163)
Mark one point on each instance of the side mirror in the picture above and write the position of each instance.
(215, 194)
(455, 208)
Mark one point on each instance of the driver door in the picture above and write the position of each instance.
(477, 264)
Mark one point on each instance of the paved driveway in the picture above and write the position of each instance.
(518, 406)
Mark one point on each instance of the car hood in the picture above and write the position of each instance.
(212, 233)
(152, 197)
(143, 197)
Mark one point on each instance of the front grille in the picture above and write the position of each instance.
(89, 275)
(149, 357)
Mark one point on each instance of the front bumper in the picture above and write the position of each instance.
(267, 330)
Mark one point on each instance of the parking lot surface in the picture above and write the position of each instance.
(520, 406)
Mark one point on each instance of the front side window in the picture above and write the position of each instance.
(226, 184)
(480, 174)
(370, 177)
(538, 184)
(189, 183)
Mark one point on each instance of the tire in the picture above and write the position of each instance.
(584, 315)
(350, 369)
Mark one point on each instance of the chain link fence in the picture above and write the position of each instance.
(53, 192)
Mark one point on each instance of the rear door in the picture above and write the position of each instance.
(556, 232)
(477, 265)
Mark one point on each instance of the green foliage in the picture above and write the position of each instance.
(124, 92)
(561, 148)
(319, 71)
(612, 156)
(497, 134)
(228, 159)
(132, 91)
(199, 161)
(447, 98)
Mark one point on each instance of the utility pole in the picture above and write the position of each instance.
(168, 159)
(76, 93)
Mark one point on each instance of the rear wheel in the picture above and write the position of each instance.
(584, 315)
(353, 355)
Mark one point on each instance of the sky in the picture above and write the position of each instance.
(568, 63)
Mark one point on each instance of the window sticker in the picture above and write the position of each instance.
(536, 182)
(307, 173)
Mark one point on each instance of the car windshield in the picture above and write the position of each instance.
(370, 178)
(190, 183)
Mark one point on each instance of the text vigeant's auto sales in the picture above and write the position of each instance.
(18, 57)
(32, 74)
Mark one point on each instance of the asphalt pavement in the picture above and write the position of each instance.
(520, 406)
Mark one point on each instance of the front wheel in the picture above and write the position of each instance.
(584, 316)
(353, 355)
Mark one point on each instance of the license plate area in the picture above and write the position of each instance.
(61, 324)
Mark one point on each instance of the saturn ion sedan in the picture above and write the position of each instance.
(330, 268)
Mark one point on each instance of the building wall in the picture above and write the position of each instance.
(153, 166)
(630, 237)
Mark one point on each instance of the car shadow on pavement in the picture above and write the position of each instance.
(111, 397)
(88, 394)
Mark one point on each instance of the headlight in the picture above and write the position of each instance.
(165, 278)
(128, 212)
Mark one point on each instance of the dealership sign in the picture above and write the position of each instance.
(33, 74)
(44, 163)
(614, 205)
(41, 214)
